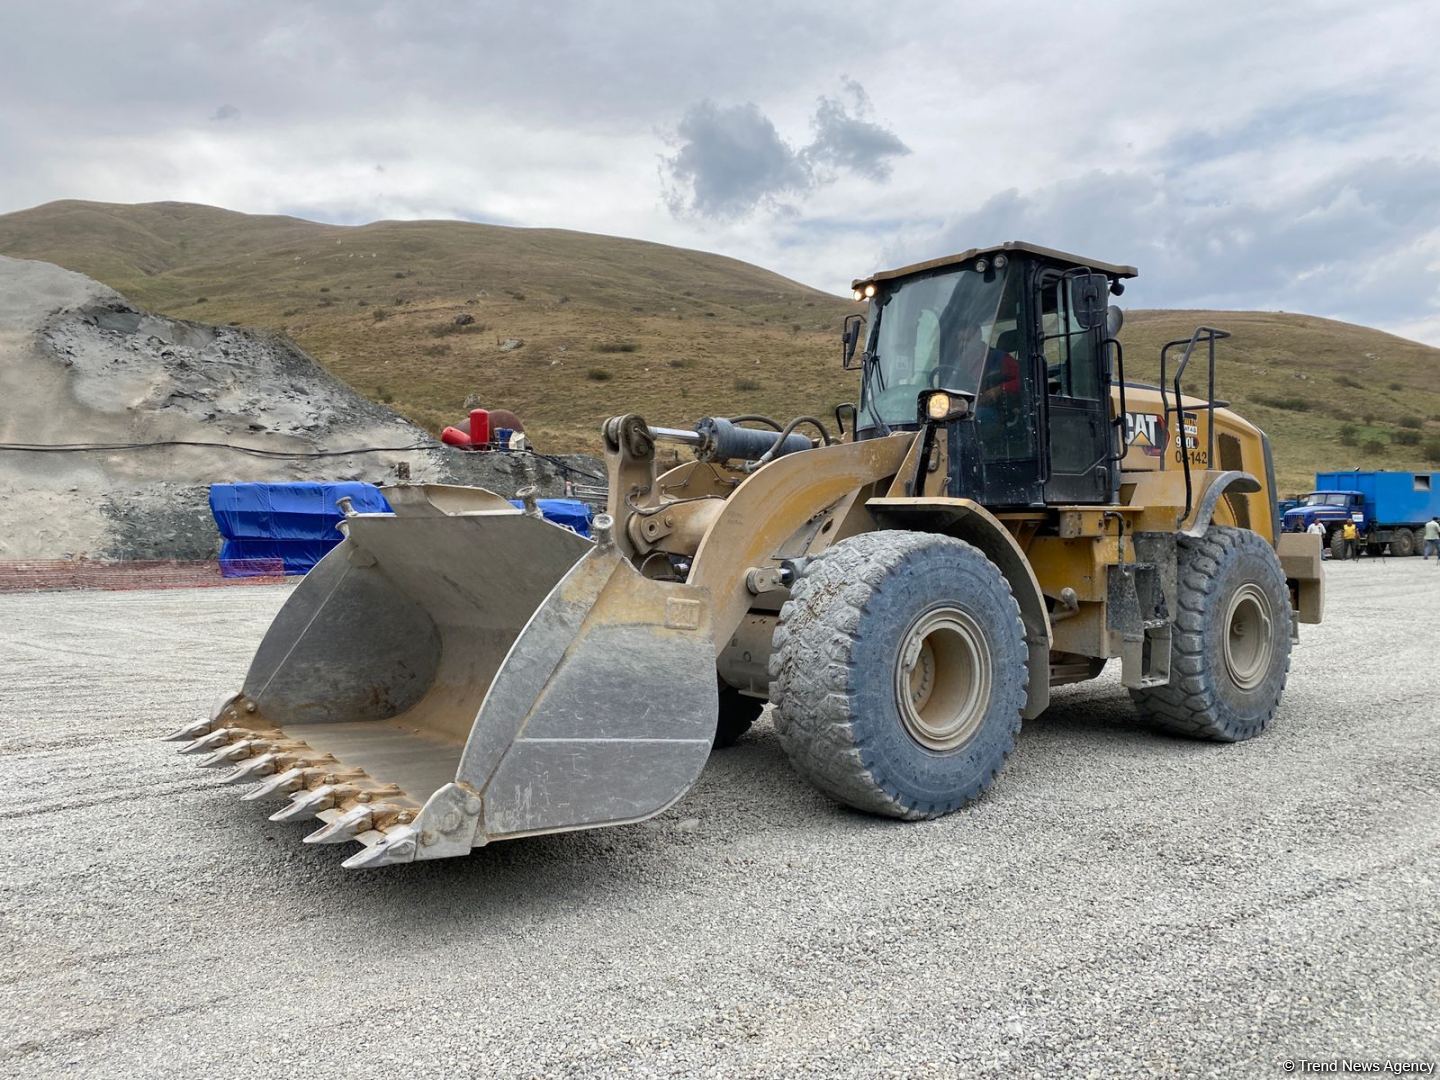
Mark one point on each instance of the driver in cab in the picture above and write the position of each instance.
(998, 395)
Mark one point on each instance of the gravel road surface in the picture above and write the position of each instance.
(1122, 903)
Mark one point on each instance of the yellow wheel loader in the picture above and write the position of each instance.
(1005, 513)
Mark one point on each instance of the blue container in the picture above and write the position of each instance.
(1391, 498)
(263, 525)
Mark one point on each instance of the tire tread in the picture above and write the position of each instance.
(1188, 704)
(813, 676)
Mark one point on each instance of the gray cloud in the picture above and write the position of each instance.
(846, 139)
(1350, 244)
(1271, 162)
(577, 60)
(732, 160)
(1328, 117)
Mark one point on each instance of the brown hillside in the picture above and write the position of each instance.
(611, 325)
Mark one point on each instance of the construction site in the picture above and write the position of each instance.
(994, 721)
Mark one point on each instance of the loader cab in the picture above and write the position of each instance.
(1014, 331)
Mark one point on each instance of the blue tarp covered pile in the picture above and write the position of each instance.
(265, 525)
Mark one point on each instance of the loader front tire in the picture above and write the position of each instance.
(899, 672)
(737, 712)
(1230, 642)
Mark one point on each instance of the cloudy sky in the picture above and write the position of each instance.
(1242, 154)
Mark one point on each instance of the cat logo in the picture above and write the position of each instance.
(1146, 431)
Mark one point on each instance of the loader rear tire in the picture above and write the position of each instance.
(1230, 642)
(737, 713)
(899, 672)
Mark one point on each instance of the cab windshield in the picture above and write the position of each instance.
(954, 329)
(1326, 498)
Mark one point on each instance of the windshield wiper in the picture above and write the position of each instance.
(871, 364)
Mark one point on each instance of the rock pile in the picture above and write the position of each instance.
(150, 397)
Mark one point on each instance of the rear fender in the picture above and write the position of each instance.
(967, 520)
(1241, 483)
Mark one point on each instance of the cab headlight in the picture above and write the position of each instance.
(938, 406)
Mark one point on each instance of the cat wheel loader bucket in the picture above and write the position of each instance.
(460, 670)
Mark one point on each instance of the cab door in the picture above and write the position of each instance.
(1078, 428)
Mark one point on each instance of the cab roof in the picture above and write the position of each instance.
(1114, 270)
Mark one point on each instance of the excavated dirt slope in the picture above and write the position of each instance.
(80, 364)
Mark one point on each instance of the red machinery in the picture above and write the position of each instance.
(476, 438)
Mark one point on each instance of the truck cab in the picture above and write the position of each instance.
(1331, 508)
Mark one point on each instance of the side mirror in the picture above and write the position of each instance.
(1090, 299)
(850, 340)
(1114, 320)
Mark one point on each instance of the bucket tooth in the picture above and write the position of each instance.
(253, 769)
(236, 751)
(206, 743)
(399, 845)
(285, 783)
(192, 730)
(307, 804)
(346, 827)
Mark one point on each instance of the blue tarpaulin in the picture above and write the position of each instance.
(572, 513)
(262, 524)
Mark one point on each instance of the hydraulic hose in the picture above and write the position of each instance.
(786, 437)
(756, 418)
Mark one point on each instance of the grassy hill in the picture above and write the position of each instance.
(610, 325)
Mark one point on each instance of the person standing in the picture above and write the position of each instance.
(1432, 538)
(1351, 535)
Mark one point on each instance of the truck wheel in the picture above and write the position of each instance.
(1230, 643)
(1402, 543)
(899, 673)
(1337, 545)
(737, 713)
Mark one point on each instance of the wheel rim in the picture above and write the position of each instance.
(1248, 647)
(942, 679)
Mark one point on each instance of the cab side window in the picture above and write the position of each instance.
(1005, 402)
(1071, 366)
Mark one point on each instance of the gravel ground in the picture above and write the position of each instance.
(1122, 903)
